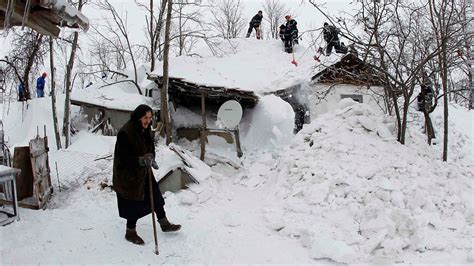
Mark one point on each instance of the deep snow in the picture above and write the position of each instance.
(341, 190)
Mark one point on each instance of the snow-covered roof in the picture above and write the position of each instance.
(122, 95)
(250, 65)
(346, 68)
(173, 157)
(68, 13)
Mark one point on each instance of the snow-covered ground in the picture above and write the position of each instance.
(341, 190)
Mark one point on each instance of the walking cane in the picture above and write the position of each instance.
(148, 170)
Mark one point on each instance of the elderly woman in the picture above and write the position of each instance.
(133, 158)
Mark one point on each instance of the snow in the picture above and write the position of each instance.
(342, 190)
(4, 168)
(270, 124)
(73, 15)
(254, 65)
(168, 160)
(122, 95)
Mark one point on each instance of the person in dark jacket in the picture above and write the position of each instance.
(425, 97)
(255, 24)
(21, 92)
(281, 33)
(40, 86)
(291, 34)
(331, 36)
(134, 156)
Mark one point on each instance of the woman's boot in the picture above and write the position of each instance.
(131, 236)
(166, 226)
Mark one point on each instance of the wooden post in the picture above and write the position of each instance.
(203, 126)
(237, 142)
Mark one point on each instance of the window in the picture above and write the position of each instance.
(356, 97)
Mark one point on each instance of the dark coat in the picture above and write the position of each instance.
(130, 180)
(282, 32)
(330, 34)
(256, 21)
(291, 29)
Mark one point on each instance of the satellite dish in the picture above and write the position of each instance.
(230, 113)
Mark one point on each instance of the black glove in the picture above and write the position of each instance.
(146, 160)
(154, 165)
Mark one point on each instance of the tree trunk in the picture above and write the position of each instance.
(181, 38)
(403, 130)
(444, 82)
(68, 87)
(29, 65)
(152, 39)
(428, 126)
(469, 75)
(53, 95)
(165, 115)
(396, 109)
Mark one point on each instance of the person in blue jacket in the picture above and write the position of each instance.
(40, 85)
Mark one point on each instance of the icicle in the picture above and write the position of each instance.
(26, 13)
(8, 15)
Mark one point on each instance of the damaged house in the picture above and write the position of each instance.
(107, 104)
(243, 71)
(347, 77)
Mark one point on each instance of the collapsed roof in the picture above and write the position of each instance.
(241, 69)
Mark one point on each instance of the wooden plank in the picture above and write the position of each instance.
(203, 126)
(37, 23)
(21, 160)
(42, 188)
(237, 142)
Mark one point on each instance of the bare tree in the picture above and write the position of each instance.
(119, 37)
(397, 43)
(274, 14)
(447, 27)
(165, 115)
(53, 95)
(29, 50)
(227, 18)
(68, 87)
(189, 28)
(154, 28)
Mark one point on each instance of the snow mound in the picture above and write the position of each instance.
(117, 92)
(351, 191)
(244, 64)
(270, 125)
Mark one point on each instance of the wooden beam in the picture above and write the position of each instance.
(38, 24)
(204, 126)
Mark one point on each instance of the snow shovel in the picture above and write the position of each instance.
(294, 61)
(152, 210)
(320, 52)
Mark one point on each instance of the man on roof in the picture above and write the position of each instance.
(331, 36)
(290, 34)
(255, 24)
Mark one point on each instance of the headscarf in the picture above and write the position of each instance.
(139, 112)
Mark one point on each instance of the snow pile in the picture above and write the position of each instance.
(23, 121)
(117, 92)
(168, 160)
(244, 64)
(349, 191)
(270, 124)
